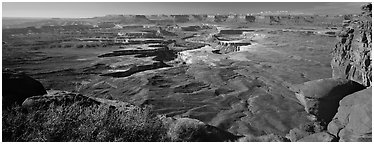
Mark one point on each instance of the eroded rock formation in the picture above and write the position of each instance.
(352, 54)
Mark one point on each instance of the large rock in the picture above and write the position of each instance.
(352, 122)
(321, 97)
(18, 86)
(318, 137)
(193, 130)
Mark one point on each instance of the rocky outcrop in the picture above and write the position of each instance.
(352, 54)
(321, 97)
(352, 122)
(18, 86)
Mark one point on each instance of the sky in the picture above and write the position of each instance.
(93, 9)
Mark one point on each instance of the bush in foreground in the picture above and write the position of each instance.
(81, 123)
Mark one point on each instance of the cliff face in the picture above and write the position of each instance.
(352, 60)
(352, 54)
(352, 110)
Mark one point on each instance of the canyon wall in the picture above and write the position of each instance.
(343, 102)
(352, 60)
(352, 54)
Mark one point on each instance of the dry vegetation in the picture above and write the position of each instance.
(77, 123)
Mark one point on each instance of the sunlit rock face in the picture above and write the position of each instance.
(352, 54)
(352, 60)
(351, 72)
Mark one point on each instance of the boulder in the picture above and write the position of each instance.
(352, 122)
(321, 97)
(18, 86)
(319, 137)
(193, 130)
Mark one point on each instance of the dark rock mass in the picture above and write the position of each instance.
(18, 86)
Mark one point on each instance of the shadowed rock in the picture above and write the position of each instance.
(321, 97)
(161, 54)
(18, 86)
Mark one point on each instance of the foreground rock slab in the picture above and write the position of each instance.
(321, 97)
(352, 122)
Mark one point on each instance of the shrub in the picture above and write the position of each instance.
(82, 123)
(186, 130)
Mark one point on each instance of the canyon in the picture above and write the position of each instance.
(237, 75)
